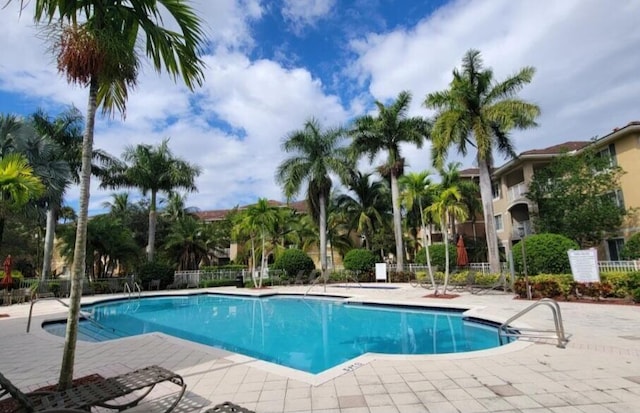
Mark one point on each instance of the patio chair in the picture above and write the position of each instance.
(98, 393)
(228, 407)
(154, 284)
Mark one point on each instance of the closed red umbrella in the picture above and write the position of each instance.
(7, 281)
(463, 258)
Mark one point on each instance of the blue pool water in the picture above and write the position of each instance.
(308, 334)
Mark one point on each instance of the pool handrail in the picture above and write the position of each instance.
(505, 330)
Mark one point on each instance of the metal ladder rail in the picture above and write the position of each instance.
(127, 289)
(314, 283)
(562, 338)
(84, 314)
(136, 287)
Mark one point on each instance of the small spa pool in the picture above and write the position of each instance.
(306, 333)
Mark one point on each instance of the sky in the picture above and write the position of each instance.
(273, 64)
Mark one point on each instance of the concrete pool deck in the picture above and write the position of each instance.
(599, 371)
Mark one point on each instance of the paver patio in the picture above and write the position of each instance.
(599, 371)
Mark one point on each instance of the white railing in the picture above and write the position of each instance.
(604, 266)
(612, 266)
(517, 191)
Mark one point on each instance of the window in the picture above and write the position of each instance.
(614, 246)
(610, 153)
(495, 189)
(498, 222)
(617, 197)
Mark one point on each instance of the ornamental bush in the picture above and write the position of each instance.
(293, 261)
(631, 249)
(359, 260)
(545, 253)
(155, 270)
(436, 252)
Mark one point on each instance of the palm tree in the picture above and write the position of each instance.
(65, 131)
(417, 190)
(187, 242)
(476, 111)
(18, 185)
(152, 170)
(449, 178)
(257, 220)
(386, 132)
(316, 154)
(96, 47)
(368, 208)
(447, 204)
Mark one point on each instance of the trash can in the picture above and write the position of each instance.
(239, 281)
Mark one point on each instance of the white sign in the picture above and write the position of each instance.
(381, 271)
(584, 265)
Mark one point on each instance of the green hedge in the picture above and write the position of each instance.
(293, 261)
(611, 285)
(437, 255)
(545, 254)
(218, 283)
(155, 270)
(359, 260)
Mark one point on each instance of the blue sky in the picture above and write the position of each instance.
(274, 64)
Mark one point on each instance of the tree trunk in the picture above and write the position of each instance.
(80, 250)
(253, 262)
(263, 261)
(323, 232)
(397, 222)
(426, 251)
(151, 247)
(489, 221)
(49, 236)
(446, 257)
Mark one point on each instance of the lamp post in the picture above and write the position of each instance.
(523, 234)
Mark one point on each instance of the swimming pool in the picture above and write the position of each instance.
(309, 334)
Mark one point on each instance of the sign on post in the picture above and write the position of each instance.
(584, 265)
(381, 271)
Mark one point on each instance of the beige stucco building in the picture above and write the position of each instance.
(513, 211)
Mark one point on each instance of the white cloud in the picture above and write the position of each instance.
(585, 54)
(586, 84)
(303, 13)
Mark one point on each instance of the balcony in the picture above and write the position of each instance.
(515, 232)
(517, 192)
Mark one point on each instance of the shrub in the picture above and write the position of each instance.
(292, 261)
(635, 295)
(155, 270)
(359, 260)
(545, 253)
(618, 281)
(631, 249)
(217, 283)
(437, 254)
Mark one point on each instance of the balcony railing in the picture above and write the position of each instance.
(515, 231)
(517, 192)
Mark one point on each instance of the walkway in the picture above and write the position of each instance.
(599, 371)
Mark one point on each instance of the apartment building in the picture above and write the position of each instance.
(513, 211)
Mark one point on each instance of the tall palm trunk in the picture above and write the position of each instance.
(49, 236)
(80, 251)
(151, 247)
(446, 256)
(263, 260)
(397, 222)
(426, 250)
(253, 261)
(323, 232)
(489, 221)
